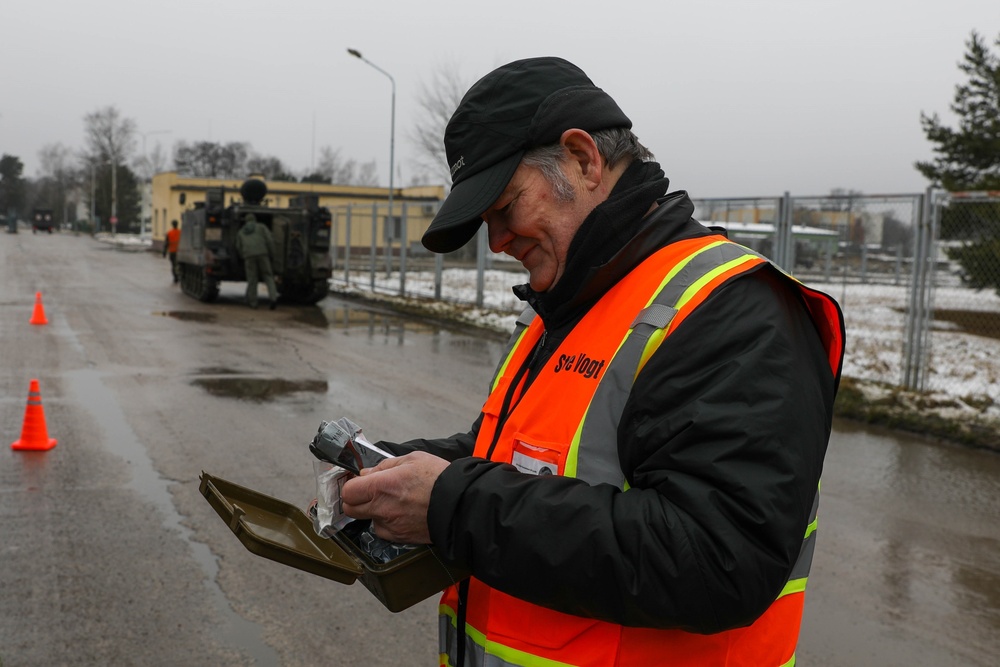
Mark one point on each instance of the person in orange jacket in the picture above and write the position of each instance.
(642, 482)
(170, 248)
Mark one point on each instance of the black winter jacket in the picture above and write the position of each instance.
(722, 443)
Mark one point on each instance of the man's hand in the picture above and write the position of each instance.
(395, 495)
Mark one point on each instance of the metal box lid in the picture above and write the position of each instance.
(282, 532)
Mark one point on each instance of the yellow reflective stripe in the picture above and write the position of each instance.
(520, 658)
(573, 455)
(679, 266)
(510, 355)
(811, 528)
(656, 338)
(790, 663)
(699, 284)
(505, 653)
(794, 586)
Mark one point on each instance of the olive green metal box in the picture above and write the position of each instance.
(282, 532)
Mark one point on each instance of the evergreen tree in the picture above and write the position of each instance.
(968, 157)
(11, 185)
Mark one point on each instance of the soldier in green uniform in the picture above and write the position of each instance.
(256, 246)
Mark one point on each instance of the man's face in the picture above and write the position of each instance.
(533, 225)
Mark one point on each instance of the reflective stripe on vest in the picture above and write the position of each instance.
(694, 269)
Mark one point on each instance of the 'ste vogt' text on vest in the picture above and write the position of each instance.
(579, 363)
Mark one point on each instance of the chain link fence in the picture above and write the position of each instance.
(916, 275)
(860, 250)
(374, 253)
(963, 353)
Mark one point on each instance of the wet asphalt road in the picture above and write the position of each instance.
(109, 555)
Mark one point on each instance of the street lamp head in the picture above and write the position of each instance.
(355, 53)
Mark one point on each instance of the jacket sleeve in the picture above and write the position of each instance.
(722, 443)
(451, 448)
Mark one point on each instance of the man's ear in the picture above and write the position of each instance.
(584, 156)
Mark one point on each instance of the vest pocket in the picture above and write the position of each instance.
(521, 625)
(538, 457)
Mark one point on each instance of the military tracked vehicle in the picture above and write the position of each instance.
(206, 254)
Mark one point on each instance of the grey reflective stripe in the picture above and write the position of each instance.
(656, 315)
(597, 454)
(524, 319)
(475, 654)
(523, 322)
(804, 562)
(446, 636)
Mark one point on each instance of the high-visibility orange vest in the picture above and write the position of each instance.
(173, 238)
(599, 357)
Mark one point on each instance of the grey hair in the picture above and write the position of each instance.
(613, 144)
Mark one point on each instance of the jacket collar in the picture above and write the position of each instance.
(670, 221)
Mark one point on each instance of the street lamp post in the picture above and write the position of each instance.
(392, 132)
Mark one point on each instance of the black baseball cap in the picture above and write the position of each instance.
(521, 105)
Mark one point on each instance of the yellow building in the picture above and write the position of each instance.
(173, 194)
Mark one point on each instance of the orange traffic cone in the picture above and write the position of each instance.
(34, 434)
(38, 317)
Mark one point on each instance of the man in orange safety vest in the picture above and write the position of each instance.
(642, 482)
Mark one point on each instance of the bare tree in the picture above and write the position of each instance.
(207, 159)
(57, 178)
(109, 135)
(367, 174)
(270, 167)
(153, 163)
(437, 100)
(332, 168)
(335, 168)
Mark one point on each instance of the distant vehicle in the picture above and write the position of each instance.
(206, 254)
(41, 220)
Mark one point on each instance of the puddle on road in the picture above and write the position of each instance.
(312, 316)
(187, 315)
(217, 370)
(121, 441)
(259, 389)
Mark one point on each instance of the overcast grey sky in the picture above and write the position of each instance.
(735, 98)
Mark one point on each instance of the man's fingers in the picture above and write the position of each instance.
(384, 464)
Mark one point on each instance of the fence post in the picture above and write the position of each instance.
(347, 247)
(482, 247)
(374, 236)
(438, 271)
(917, 315)
(783, 232)
(387, 229)
(404, 241)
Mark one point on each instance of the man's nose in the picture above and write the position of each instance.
(499, 236)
